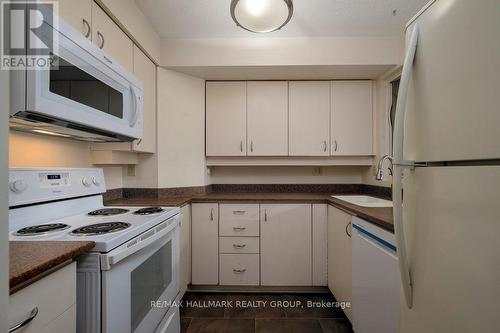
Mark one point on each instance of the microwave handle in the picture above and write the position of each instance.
(115, 257)
(135, 106)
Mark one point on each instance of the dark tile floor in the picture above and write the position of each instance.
(261, 313)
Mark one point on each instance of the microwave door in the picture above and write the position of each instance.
(82, 89)
(130, 287)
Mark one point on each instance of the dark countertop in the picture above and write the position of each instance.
(379, 216)
(30, 260)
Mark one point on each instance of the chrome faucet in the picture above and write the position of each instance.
(380, 173)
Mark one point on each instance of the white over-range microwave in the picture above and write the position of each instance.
(85, 96)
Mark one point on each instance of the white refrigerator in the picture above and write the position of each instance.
(446, 184)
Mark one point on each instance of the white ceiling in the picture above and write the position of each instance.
(312, 18)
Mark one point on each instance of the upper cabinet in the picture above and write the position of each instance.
(111, 39)
(309, 113)
(226, 118)
(78, 13)
(351, 118)
(267, 117)
(282, 123)
(145, 70)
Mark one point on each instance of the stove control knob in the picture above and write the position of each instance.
(96, 181)
(86, 182)
(17, 186)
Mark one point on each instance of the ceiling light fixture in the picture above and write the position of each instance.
(261, 15)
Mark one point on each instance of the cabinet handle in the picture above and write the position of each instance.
(211, 214)
(265, 215)
(239, 212)
(241, 146)
(239, 228)
(251, 146)
(25, 322)
(347, 229)
(239, 271)
(336, 145)
(239, 246)
(87, 27)
(102, 39)
(324, 146)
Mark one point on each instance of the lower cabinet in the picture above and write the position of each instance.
(205, 243)
(340, 256)
(54, 296)
(259, 244)
(286, 245)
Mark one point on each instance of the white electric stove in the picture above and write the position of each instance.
(135, 261)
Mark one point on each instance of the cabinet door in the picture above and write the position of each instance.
(309, 105)
(145, 70)
(205, 244)
(286, 245)
(111, 39)
(319, 244)
(340, 256)
(185, 252)
(226, 119)
(352, 118)
(77, 13)
(267, 116)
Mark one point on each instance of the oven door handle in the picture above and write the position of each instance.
(131, 247)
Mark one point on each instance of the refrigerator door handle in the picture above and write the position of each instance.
(399, 165)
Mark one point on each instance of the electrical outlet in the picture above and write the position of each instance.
(317, 171)
(131, 170)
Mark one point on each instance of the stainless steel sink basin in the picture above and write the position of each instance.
(364, 200)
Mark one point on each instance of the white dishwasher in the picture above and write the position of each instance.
(375, 279)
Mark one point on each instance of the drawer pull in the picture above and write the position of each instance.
(26, 321)
(239, 228)
(239, 212)
(239, 271)
(239, 246)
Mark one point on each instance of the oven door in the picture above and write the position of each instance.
(86, 87)
(132, 285)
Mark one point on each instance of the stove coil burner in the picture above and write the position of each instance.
(108, 212)
(148, 211)
(41, 229)
(100, 228)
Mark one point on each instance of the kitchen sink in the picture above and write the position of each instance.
(364, 200)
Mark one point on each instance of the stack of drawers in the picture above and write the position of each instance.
(239, 244)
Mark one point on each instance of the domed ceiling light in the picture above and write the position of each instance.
(261, 15)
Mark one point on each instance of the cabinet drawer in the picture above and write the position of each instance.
(239, 269)
(239, 220)
(239, 245)
(53, 295)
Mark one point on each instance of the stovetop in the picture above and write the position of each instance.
(108, 227)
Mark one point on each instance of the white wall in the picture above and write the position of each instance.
(285, 175)
(181, 130)
(281, 51)
(33, 150)
(4, 200)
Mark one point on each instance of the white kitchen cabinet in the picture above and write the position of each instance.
(185, 249)
(226, 115)
(239, 220)
(239, 269)
(351, 118)
(309, 118)
(340, 256)
(205, 243)
(111, 39)
(286, 245)
(267, 118)
(77, 13)
(319, 244)
(55, 298)
(145, 70)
